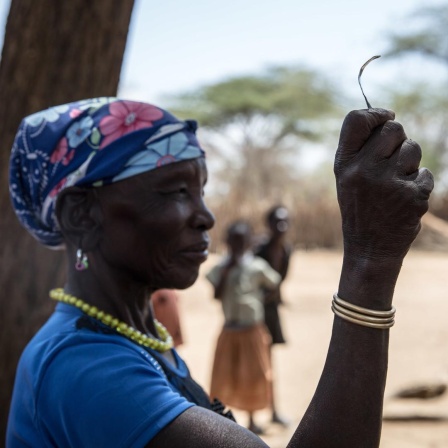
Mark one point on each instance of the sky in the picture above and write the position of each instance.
(178, 45)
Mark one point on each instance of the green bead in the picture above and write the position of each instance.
(93, 311)
(121, 327)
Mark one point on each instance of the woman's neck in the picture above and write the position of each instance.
(114, 293)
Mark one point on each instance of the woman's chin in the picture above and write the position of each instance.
(180, 282)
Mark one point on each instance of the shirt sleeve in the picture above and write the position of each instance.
(269, 277)
(106, 394)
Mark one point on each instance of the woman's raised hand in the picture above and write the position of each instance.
(382, 193)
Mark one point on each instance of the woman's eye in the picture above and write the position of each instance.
(180, 191)
(177, 191)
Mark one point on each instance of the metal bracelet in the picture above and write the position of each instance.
(363, 317)
(360, 309)
(384, 326)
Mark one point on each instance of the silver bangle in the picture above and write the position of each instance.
(373, 320)
(366, 317)
(360, 309)
(363, 323)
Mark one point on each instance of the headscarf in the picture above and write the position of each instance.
(89, 143)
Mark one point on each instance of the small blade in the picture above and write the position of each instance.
(369, 106)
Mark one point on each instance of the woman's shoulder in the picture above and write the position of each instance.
(70, 344)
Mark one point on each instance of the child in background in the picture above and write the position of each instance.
(241, 375)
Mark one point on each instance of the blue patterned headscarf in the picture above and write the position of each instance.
(89, 143)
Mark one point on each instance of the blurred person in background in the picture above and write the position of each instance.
(242, 375)
(277, 252)
(165, 307)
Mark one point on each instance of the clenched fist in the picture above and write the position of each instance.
(382, 192)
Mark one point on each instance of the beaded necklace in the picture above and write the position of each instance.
(120, 327)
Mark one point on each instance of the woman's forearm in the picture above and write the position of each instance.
(346, 409)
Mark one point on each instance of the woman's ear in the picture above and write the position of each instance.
(79, 216)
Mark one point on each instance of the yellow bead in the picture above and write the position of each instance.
(93, 311)
(121, 327)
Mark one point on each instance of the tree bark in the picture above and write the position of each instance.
(54, 52)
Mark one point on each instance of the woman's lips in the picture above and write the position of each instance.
(196, 252)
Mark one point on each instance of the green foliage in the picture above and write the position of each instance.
(285, 93)
(424, 110)
(423, 107)
(427, 35)
(254, 126)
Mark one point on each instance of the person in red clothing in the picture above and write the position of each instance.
(165, 306)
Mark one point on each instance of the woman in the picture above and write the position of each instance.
(119, 184)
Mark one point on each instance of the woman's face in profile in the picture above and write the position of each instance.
(155, 225)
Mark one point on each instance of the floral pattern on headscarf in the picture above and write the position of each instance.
(89, 143)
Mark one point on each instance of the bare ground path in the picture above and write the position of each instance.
(418, 351)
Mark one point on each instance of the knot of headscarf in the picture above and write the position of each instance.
(89, 143)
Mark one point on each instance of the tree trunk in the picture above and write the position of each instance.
(54, 52)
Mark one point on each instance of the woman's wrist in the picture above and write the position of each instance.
(368, 282)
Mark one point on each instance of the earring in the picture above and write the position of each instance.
(82, 262)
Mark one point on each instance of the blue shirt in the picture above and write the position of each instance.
(78, 388)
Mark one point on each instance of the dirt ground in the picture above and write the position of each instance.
(418, 348)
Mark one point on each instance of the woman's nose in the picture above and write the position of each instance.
(203, 218)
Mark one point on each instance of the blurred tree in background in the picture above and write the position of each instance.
(426, 35)
(54, 52)
(423, 107)
(253, 128)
